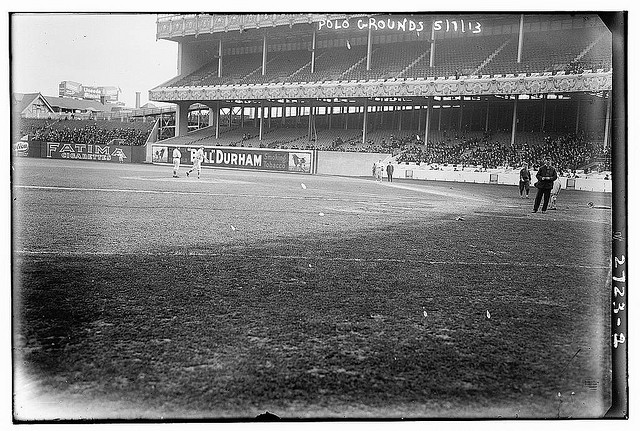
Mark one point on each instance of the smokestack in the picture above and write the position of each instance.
(137, 100)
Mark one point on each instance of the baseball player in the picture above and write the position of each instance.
(197, 161)
(525, 179)
(176, 161)
(379, 169)
(555, 191)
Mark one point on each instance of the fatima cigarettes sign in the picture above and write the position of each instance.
(103, 153)
(300, 161)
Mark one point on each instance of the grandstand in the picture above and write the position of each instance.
(86, 131)
(348, 82)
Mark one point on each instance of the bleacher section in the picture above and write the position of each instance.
(590, 48)
(542, 52)
(281, 67)
(88, 131)
(389, 61)
(462, 56)
(598, 56)
(331, 64)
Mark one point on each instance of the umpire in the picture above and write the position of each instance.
(389, 172)
(546, 176)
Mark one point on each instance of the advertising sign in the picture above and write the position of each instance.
(21, 148)
(70, 89)
(92, 93)
(103, 153)
(300, 161)
(110, 93)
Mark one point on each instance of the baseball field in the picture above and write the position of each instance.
(141, 296)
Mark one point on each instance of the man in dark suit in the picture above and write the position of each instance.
(525, 180)
(546, 176)
(389, 172)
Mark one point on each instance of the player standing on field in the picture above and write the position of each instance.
(197, 161)
(379, 169)
(546, 176)
(525, 180)
(176, 161)
(555, 191)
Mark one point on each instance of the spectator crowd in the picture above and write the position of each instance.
(568, 152)
(90, 133)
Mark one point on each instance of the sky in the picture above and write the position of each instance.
(92, 49)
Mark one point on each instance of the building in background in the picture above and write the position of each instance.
(36, 105)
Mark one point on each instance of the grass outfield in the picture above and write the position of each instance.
(137, 295)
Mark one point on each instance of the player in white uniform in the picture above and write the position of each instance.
(554, 194)
(176, 161)
(197, 161)
(379, 169)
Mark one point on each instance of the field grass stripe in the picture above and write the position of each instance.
(309, 258)
(194, 193)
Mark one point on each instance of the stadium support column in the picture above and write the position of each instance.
(219, 58)
(578, 117)
(432, 53)
(364, 122)
(217, 120)
(309, 126)
(520, 37)
(313, 51)
(514, 121)
(284, 113)
(261, 117)
(427, 120)
(211, 116)
(182, 122)
(264, 53)
(544, 112)
(346, 117)
(486, 118)
(369, 49)
(330, 112)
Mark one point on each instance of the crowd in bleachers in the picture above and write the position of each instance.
(91, 132)
(568, 152)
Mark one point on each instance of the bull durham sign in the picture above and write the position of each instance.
(300, 161)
